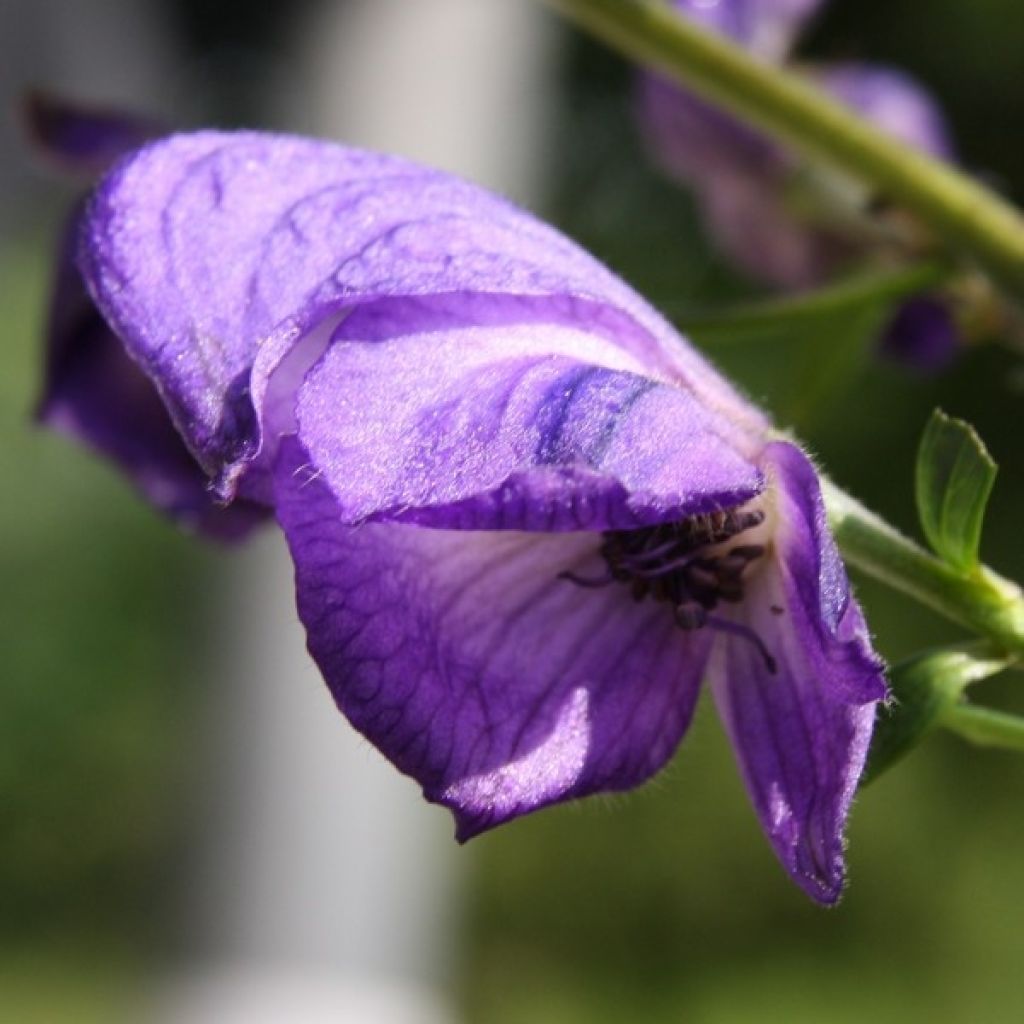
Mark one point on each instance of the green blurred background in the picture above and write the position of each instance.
(664, 905)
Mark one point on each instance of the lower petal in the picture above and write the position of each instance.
(473, 666)
(801, 718)
(801, 749)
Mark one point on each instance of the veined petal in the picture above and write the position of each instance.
(95, 393)
(524, 428)
(468, 662)
(204, 250)
(817, 587)
(800, 727)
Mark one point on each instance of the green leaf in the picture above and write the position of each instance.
(924, 689)
(832, 357)
(954, 479)
(985, 727)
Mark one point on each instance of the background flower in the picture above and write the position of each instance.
(784, 222)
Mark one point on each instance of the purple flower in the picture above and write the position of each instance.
(783, 223)
(527, 519)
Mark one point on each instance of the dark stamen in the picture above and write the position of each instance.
(675, 563)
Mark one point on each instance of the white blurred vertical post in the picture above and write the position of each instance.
(332, 889)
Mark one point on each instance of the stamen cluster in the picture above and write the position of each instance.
(686, 565)
(671, 562)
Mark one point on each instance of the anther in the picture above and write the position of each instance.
(686, 565)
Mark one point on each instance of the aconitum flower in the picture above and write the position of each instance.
(783, 222)
(527, 518)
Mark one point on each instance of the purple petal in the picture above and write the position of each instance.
(801, 732)
(95, 393)
(474, 668)
(525, 428)
(79, 139)
(923, 335)
(204, 250)
(815, 576)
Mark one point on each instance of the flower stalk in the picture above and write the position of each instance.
(969, 218)
(981, 600)
(985, 727)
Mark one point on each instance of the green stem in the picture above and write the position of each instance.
(981, 600)
(966, 215)
(984, 726)
(840, 299)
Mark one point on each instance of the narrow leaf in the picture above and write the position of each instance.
(954, 479)
(986, 727)
(924, 689)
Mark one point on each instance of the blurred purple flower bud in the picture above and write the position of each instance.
(775, 219)
(923, 334)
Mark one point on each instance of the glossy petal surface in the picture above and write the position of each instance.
(801, 732)
(478, 671)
